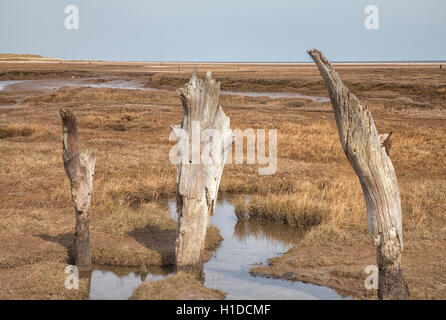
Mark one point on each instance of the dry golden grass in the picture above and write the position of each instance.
(42, 280)
(314, 186)
(23, 131)
(15, 56)
(302, 212)
(340, 203)
(7, 101)
(309, 206)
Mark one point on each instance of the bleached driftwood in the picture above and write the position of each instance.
(80, 171)
(198, 181)
(368, 153)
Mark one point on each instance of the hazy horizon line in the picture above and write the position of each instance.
(235, 61)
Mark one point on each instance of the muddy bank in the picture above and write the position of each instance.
(340, 263)
(341, 270)
(342, 267)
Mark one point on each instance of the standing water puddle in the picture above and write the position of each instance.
(276, 95)
(119, 283)
(3, 84)
(245, 244)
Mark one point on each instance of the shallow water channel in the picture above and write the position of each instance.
(245, 245)
(53, 84)
(3, 84)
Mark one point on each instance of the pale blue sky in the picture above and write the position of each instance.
(229, 30)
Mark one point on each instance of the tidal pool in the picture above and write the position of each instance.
(245, 244)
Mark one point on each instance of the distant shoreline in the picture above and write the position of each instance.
(8, 57)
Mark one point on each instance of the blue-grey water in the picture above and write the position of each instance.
(3, 84)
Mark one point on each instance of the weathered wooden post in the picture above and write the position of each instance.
(368, 154)
(198, 176)
(80, 171)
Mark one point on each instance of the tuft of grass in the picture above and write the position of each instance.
(44, 280)
(25, 130)
(296, 104)
(308, 206)
(98, 95)
(17, 131)
(302, 212)
(212, 241)
(7, 101)
(181, 286)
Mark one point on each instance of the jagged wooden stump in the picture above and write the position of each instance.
(198, 180)
(368, 153)
(80, 170)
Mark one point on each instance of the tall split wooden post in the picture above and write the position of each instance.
(368, 154)
(80, 170)
(204, 124)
